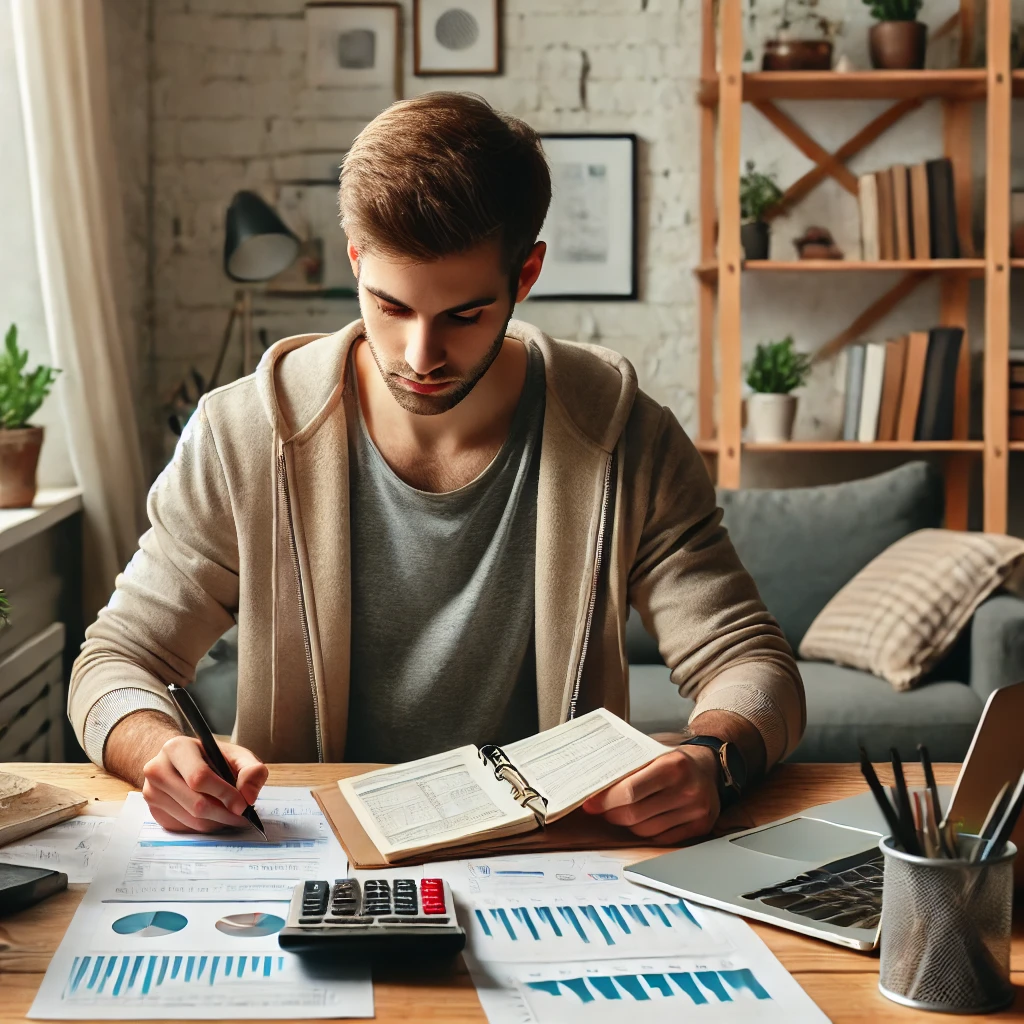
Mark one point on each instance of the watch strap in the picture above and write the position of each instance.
(731, 780)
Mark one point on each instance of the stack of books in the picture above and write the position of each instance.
(1017, 396)
(903, 389)
(909, 213)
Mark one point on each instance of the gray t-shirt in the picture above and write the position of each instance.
(442, 597)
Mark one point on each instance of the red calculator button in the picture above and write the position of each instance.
(433, 907)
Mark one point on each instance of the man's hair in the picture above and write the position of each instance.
(444, 172)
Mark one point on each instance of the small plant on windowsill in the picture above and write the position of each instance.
(21, 394)
(898, 42)
(759, 192)
(5, 610)
(776, 370)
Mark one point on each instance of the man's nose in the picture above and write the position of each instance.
(424, 350)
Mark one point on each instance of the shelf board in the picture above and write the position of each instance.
(710, 446)
(972, 267)
(1017, 446)
(957, 83)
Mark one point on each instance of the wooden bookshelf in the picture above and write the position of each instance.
(723, 90)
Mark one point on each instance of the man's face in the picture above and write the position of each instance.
(435, 328)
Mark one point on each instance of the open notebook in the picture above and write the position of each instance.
(468, 796)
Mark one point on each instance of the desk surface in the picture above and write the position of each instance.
(842, 982)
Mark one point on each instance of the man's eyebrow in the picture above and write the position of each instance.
(484, 300)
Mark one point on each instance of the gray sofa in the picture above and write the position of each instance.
(802, 545)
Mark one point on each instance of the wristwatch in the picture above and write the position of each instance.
(732, 769)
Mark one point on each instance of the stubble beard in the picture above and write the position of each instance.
(433, 405)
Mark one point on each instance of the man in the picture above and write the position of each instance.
(430, 525)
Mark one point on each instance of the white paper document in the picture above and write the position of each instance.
(73, 846)
(195, 956)
(561, 938)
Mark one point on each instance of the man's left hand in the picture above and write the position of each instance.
(672, 799)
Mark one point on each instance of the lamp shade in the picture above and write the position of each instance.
(257, 244)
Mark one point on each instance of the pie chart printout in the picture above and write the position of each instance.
(150, 923)
(250, 926)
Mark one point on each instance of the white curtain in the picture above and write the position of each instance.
(76, 202)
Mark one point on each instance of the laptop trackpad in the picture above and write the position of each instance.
(807, 839)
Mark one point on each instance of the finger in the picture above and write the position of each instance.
(162, 802)
(251, 773)
(198, 806)
(681, 833)
(698, 819)
(186, 755)
(663, 801)
(668, 770)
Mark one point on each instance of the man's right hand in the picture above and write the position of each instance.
(183, 792)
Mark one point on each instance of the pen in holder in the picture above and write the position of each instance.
(946, 929)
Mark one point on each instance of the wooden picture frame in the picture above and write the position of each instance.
(457, 37)
(592, 225)
(354, 46)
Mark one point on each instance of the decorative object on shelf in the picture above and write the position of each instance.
(898, 42)
(816, 243)
(258, 246)
(776, 370)
(759, 192)
(789, 51)
(355, 46)
(456, 37)
(844, 65)
(21, 395)
(591, 226)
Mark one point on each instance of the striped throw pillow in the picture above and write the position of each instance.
(902, 612)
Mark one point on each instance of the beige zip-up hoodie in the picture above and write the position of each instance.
(250, 522)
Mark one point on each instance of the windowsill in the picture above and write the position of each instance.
(52, 505)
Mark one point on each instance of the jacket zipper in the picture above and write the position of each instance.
(593, 590)
(283, 472)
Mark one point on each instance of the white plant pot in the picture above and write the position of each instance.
(770, 417)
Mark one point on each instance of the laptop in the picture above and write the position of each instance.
(819, 872)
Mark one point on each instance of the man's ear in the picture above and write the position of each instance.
(353, 258)
(531, 270)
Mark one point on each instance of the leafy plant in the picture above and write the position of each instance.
(758, 193)
(894, 10)
(5, 609)
(777, 368)
(21, 393)
(794, 13)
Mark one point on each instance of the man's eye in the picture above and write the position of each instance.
(464, 319)
(391, 310)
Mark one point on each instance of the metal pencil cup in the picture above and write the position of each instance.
(946, 931)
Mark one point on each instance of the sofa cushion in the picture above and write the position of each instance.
(846, 707)
(900, 614)
(802, 544)
(654, 701)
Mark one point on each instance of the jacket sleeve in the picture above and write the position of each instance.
(723, 648)
(178, 594)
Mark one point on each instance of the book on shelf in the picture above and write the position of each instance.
(945, 242)
(470, 798)
(871, 392)
(1017, 395)
(938, 392)
(854, 385)
(886, 216)
(867, 199)
(919, 212)
(892, 388)
(901, 212)
(913, 380)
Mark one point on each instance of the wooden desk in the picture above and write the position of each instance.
(842, 982)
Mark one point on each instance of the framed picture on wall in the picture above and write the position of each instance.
(354, 46)
(456, 37)
(591, 226)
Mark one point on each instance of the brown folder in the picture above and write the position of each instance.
(919, 212)
(913, 383)
(901, 212)
(576, 831)
(892, 388)
(886, 216)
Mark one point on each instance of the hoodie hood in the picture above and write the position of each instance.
(301, 379)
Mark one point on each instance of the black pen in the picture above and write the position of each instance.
(884, 805)
(937, 816)
(214, 756)
(997, 843)
(903, 803)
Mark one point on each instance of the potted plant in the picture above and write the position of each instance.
(21, 394)
(758, 193)
(776, 370)
(898, 41)
(803, 39)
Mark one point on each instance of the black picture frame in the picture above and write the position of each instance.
(629, 291)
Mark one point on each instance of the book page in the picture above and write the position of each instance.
(581, 757)
(434, 802)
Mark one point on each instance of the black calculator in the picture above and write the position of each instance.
(373, 919)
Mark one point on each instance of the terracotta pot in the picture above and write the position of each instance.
(770, 417)
(19, 457)
(898, 45)
(755, 237)
(797, 55)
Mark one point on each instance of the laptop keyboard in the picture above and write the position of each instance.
(846, 893)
